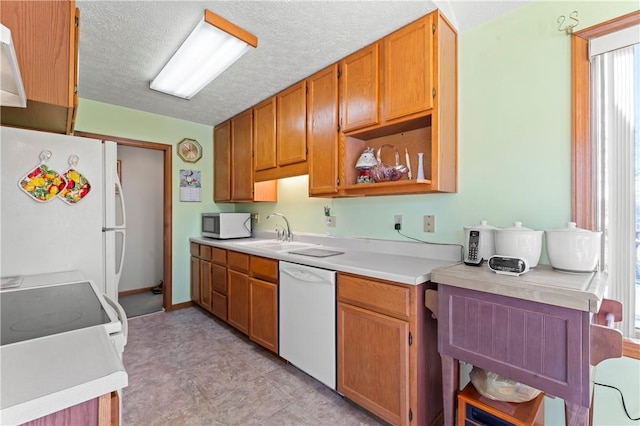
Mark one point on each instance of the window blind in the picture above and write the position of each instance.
(615, 104)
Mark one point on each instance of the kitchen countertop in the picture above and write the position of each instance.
(398, 261)
(57, 372)
(543, 284)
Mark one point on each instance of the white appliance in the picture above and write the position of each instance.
(308, 320)
(52, 236)
(226, 225)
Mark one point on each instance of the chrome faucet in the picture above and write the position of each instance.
(286, 235)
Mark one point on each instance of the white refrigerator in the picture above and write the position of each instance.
(79, 225)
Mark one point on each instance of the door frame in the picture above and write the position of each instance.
(167, 294)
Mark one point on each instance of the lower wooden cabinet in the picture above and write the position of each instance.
(219, 291)
(195, 279)
(219, 283)
(101, 411)
(263, 313)
(205, 284)
(238, 300)
(373, 361)
(388, 359)
(238, 288)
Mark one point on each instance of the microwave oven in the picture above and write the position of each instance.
(226, 225)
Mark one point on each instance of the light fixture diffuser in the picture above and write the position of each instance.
(211, 48)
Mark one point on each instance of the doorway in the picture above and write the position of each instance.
(136, 147)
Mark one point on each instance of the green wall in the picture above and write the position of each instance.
(514, 143)
(112, 120)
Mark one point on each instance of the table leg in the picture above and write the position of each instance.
(450, 383)
(576, 415)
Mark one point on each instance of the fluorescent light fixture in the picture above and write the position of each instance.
(210, 49)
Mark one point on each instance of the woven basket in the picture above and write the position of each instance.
(382, 172)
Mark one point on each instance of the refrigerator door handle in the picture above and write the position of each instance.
(120, 262)
(120, 196)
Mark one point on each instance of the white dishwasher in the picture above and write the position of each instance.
(308, 320)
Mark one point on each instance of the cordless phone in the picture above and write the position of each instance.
(472, 252)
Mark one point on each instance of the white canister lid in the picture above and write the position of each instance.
(517, 226)
(483, 225)
(570, 227)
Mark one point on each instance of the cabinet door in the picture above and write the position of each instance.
(373, 362)
(263, 308)
(238, 300)
(322, 131)
(205, 284)
(43, 37)
(195, 279)
(360, 86)
(219, 291)
(264, 139)
(222, 162)
(291, 125)
(241, 157)
(407, 78)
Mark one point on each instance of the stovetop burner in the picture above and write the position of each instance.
(29, 313)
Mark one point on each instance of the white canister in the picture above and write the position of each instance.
(486, 247)
(518, 241)
(573, 249)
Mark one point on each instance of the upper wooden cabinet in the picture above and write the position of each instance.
(280, 135)
(233, 163)
(264, 117)
(407, 77)
(291, 119)
(241, 157)
(45, 37)
(360, 88)
(322, 131)
(417, 108)
(222, 162)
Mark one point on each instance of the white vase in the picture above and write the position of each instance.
(420, 166)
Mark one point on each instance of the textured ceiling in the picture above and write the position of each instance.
(124, 44)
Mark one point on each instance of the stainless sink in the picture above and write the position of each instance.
(275, 245)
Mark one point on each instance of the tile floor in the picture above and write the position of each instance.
(185, 368)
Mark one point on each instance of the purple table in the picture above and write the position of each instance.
(536, 343)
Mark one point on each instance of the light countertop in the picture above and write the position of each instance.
(543, 284)
(48, 374)
(398, 261)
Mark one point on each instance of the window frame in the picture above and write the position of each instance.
(582, 188)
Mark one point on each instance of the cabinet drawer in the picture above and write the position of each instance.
(379, 296)
(205, 252)
(195, 249)
(238, 261)
(266, 269)
(219, 256)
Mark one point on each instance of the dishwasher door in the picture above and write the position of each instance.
(308, 320)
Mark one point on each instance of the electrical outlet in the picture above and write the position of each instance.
(330, 221)
(429, 223)
(397, 221)
(255, 217)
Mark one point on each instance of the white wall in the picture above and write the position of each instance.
(142, 186)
